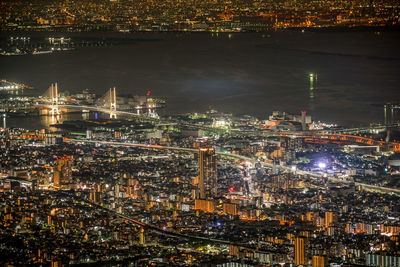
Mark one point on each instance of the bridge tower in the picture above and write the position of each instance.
(113, 103)
(108, 103)
(52, 95)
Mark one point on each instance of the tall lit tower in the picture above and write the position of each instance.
(54, 99)
(207, 173)
(113, 104)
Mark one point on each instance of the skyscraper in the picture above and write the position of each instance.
(207, 173)
(63, 171)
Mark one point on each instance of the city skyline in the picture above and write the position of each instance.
(245, 15)
(200, 133)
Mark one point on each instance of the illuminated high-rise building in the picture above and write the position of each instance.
(56, 178)
(310, 216)
(204, 205)
(234, 250)
(330, 218)
(95, 196)
(230, 208)
(319, 261)
(63, 171)
(299, 251)
(207, 173)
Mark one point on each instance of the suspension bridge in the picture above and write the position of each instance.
(106, 104)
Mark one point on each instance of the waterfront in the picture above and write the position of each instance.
(248, 73)
(44, 122)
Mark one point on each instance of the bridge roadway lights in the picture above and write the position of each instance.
(54, 111)
(113, 115)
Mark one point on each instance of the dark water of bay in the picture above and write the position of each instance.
(246, 73)
(48, 122)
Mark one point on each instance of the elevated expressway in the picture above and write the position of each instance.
(366, 129)
(339, 138)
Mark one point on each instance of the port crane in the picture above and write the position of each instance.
(19, 85)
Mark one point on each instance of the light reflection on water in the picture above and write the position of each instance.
(44, 122)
